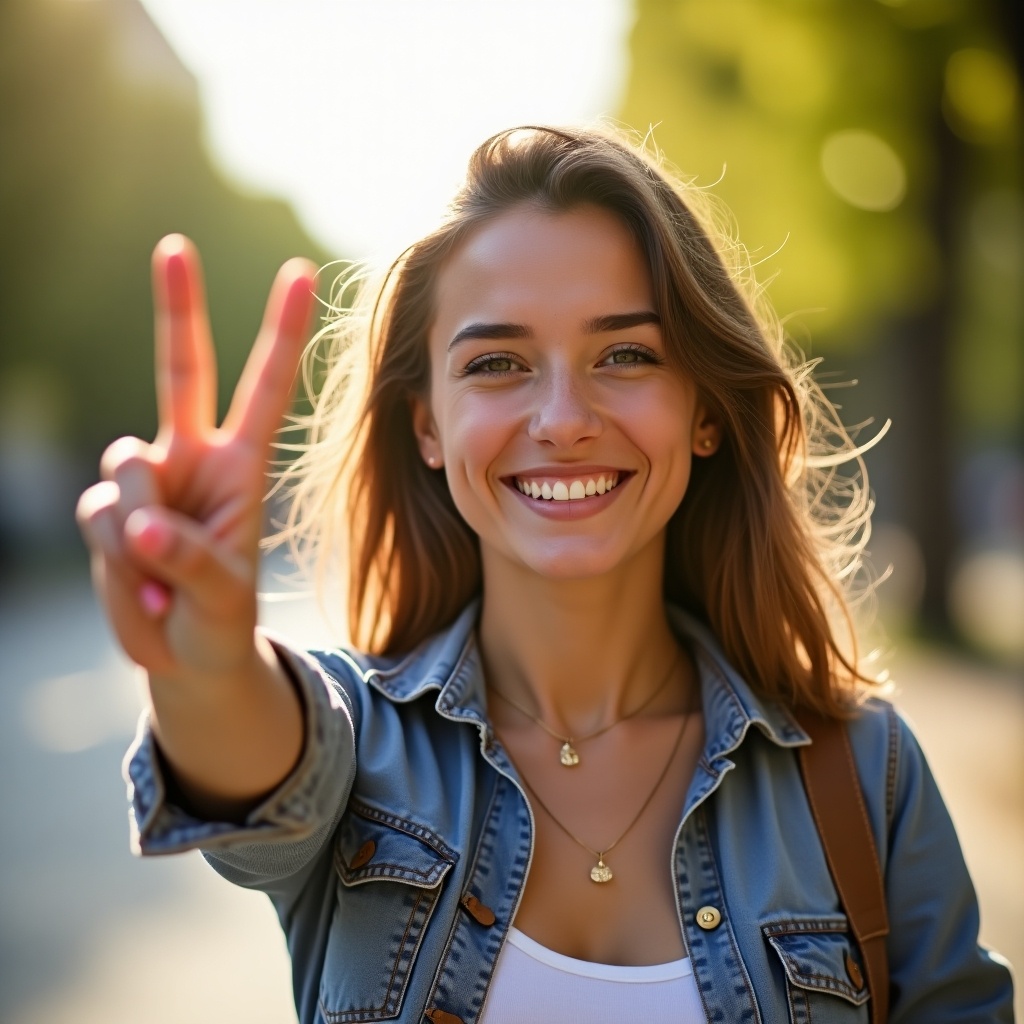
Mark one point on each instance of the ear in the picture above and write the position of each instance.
(425, 429)
(706, 435)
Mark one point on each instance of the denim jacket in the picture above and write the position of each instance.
(397, 850)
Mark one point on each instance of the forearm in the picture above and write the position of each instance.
(232, 739)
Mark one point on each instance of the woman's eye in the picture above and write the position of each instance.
(630, 355)
(496, 364)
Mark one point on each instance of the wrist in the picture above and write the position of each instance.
(229, 678)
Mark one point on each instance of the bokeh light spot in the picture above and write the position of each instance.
(987, 602)
(864, 170)
(71, 713)
(981, 93)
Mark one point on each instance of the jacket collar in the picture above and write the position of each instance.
(450, 662)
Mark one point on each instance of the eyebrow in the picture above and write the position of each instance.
(621, 321)
(596, 325)
(490, 332)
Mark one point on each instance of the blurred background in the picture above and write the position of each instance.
(870, 151)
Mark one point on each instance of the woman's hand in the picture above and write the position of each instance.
(174, 526)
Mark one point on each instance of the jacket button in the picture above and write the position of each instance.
(480, 912)
(853, 971)
(709, 917)
(364, 854)
(438, 1016)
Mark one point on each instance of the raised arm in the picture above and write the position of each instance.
(173, 529)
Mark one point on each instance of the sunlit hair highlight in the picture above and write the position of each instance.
(765, 547)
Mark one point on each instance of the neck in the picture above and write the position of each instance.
(580, 654)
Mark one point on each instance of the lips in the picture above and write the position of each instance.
(566, 488)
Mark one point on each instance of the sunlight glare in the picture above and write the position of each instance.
(363, 114)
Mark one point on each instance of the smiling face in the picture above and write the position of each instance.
(565, 434)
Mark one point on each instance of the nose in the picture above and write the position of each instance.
(565, 412)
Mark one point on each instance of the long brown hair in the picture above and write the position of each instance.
(768, 536)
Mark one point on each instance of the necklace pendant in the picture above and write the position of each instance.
(600, 872)
(567, 755)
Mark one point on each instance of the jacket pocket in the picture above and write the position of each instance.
(389, 873)
(824, 975)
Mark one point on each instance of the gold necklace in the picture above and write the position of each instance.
(601, 872)
(568, 755)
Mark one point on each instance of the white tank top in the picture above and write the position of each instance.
(535, 985)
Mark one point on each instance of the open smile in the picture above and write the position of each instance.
(546, 488)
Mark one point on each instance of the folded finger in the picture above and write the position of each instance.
(132, 465)
(133, 603)
(185, 364)
(98, 520)
(179, 553)
(137, 480)
(265, 388)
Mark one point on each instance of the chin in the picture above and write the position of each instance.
(574, 565)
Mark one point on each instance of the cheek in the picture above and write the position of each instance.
(478, 429)
(660, 419)
(663, 433)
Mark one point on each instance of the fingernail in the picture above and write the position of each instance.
(154, 598)
(151, 536)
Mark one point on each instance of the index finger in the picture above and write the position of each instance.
(265, 388)
(186, 371)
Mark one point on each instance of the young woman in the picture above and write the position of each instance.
(594, 537)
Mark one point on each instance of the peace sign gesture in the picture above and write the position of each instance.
(174, 525)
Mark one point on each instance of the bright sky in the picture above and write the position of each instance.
(362, 112)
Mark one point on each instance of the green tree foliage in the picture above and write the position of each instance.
(102, 147)
(826, 122)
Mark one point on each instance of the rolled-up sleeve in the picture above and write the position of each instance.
(289, 826)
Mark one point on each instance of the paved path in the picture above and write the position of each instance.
(89, 934)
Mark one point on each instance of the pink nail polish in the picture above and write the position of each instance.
(154, 598)
(151, 536)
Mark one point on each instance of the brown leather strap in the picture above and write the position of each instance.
(834, 793)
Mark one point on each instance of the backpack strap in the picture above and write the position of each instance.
(837, 803)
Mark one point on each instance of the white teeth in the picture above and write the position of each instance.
(574, 490)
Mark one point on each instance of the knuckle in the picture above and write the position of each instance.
(138, 484)
(101, 534)
(98, 500)
(125, 450)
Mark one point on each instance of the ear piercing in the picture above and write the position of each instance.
(431, 461)
(707, 444)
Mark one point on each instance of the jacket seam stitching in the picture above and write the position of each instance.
(893, 763)
(798, 926)
(399, 870)
(405, 826)
(447, 948)
(705, 840)
(471, 870)
(340, 1015)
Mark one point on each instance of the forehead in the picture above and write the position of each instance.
(529, 264)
